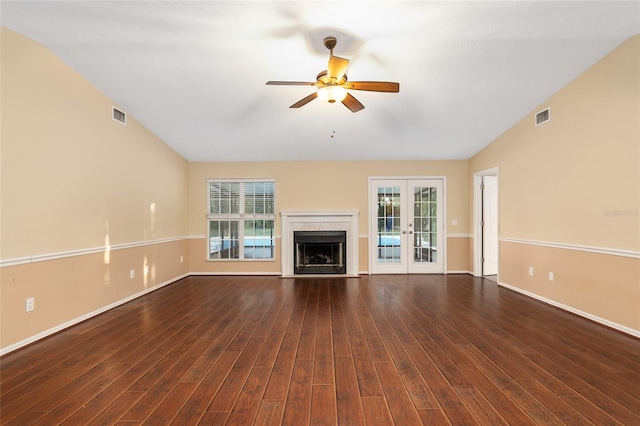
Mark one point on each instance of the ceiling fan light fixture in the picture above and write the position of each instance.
(332, 83)
(332, 94)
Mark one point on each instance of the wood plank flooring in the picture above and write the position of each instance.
(377, 350)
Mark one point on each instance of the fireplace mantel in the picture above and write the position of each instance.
(319, 220)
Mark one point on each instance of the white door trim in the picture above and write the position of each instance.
(477, 218)
(490, 223)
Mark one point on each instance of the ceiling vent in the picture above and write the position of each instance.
(543, 116)
(119, 116)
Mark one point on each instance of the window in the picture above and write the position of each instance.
(241, 218)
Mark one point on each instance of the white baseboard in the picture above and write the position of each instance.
(221, 274)
(610, 324)
(84, 317)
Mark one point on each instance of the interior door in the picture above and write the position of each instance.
(489, 225)
(407, 226)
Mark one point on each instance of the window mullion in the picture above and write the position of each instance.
(241, 207)
(241, 238)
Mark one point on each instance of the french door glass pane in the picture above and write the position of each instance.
(425, 220)
(388, 218)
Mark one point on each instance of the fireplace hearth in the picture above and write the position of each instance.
(320, 252)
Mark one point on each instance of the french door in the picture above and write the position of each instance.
(407, 231)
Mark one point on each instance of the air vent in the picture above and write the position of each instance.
(119, 116)
(543, 116)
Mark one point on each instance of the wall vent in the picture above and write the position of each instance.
(543, 116)
(119, 116)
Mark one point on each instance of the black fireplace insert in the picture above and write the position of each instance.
(320, 252)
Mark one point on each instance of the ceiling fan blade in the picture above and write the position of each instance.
(337, 67)
(352, 103)
(290, 83)
(373, 86)
(304, 101)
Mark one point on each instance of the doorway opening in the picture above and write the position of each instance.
(486, 224)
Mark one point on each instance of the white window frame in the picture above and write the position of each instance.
(240, 217)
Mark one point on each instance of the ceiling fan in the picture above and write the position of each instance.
(332, 83)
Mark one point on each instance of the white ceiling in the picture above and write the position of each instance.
(194, 73)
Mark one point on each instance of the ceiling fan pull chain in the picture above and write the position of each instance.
(333, 123)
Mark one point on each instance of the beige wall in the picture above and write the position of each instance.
(323, 186)
(84, 199)
(558, 180)
(575, 181)
(74, 181)
(66, 165)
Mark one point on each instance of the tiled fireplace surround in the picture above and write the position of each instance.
(319, 220)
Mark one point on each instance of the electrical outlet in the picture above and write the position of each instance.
(132, 273)
(454, 222)
(181, 259)
(550, 276)
(530, 271)
(30, 304)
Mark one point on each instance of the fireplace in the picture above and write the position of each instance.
(319, 252)
(322, 224)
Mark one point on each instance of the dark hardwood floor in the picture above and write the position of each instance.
(404, 350)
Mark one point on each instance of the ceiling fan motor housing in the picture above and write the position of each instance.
(330, 43)
(322, 77)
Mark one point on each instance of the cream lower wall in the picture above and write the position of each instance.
(598, 285)
(71, 288)
(458, 259)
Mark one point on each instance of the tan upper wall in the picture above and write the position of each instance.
(322, 185)
(576, 179)
(328, 186)
(71, 177)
